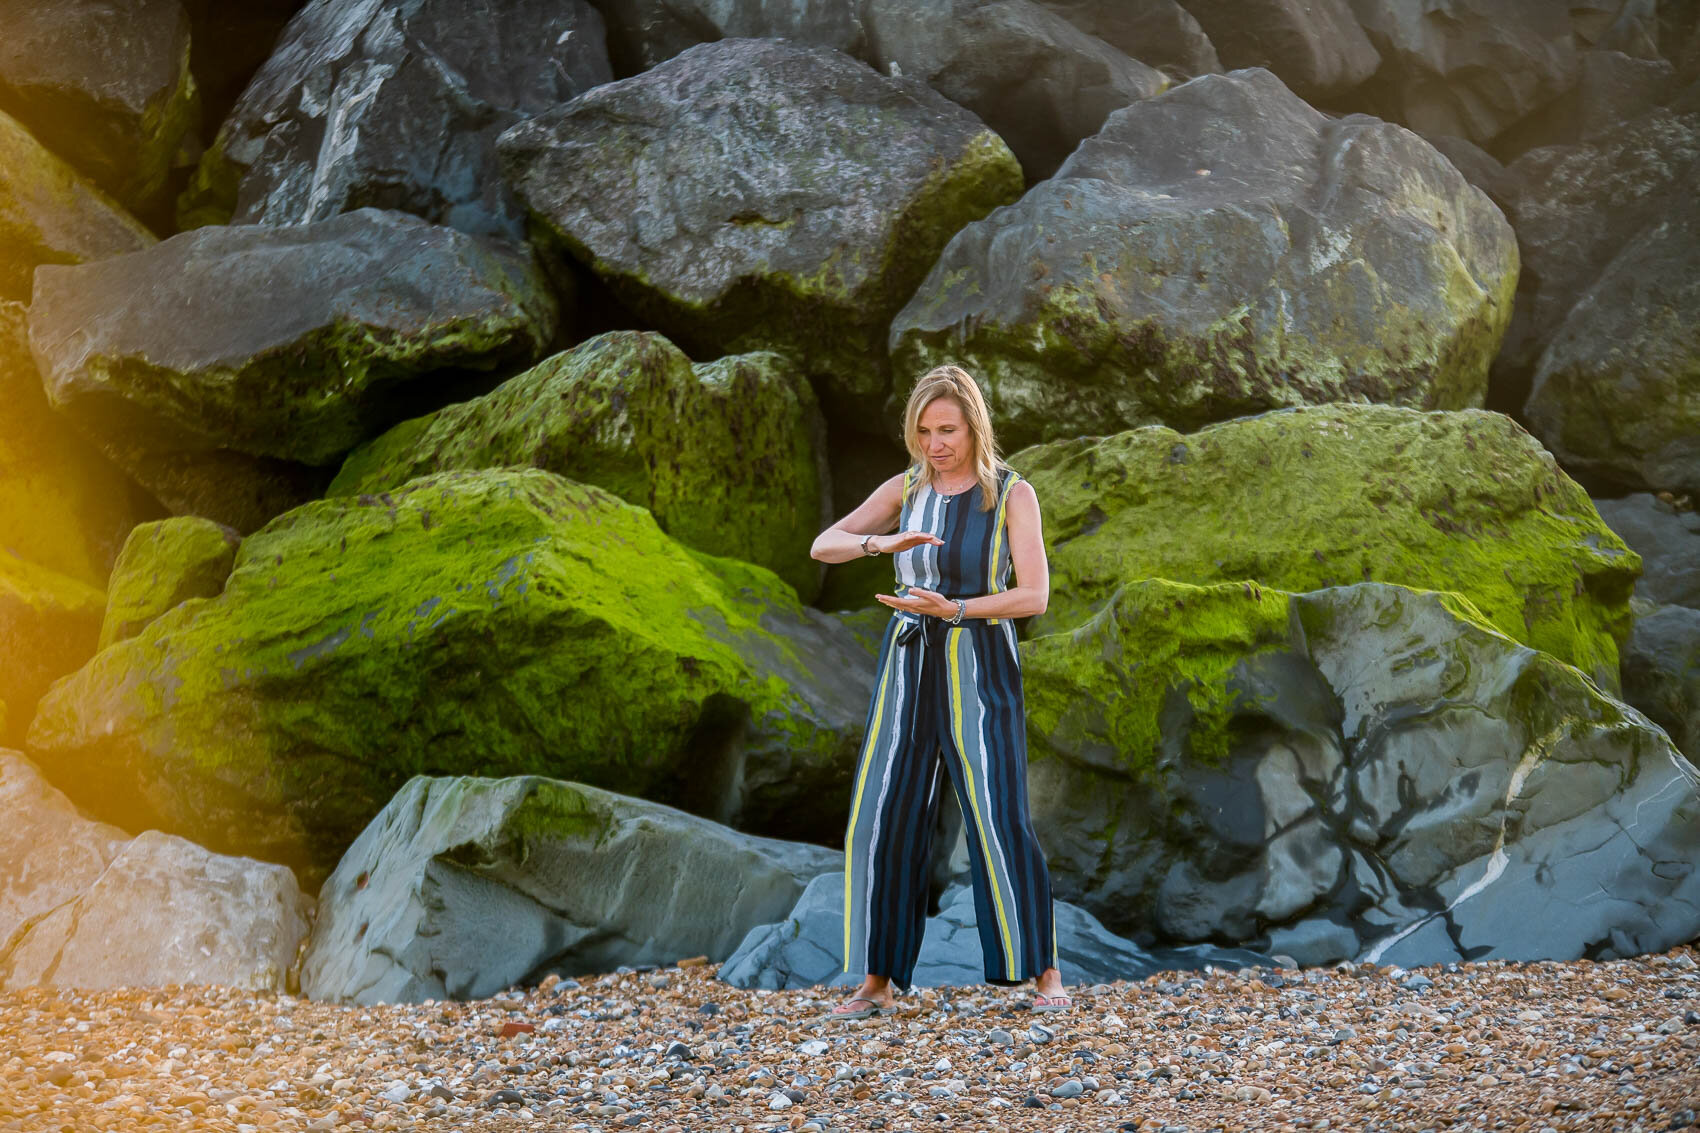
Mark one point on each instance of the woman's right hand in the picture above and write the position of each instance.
(902, 541)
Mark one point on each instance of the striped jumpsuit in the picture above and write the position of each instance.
(947, 701)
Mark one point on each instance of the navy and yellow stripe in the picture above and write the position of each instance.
(947, 703)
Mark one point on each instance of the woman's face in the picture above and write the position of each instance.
(945, 439)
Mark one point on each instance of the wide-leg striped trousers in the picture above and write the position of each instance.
(947, 702)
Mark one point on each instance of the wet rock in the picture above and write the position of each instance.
(172, 359)
(1327, 496)
(1668, 541)
(1367, 755)
(462, 887)
(807, 947)
(396, 104)
(501, 619)
(163, 564)
(725, 454)
(1661, 672)
(1316, 47)
(1189, 263)
(50, 215)
(1158, 33)
(106, 86)
(785, 229)
(1028, 73)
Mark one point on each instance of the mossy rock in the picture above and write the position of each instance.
(761, 194)
(1308, 498)
(1243, 765)
(493, 622)
(1218, 250)
(225, 367)
(50, 215)
(163, 564)
(49, 623)
(62, 504)
(727, 455)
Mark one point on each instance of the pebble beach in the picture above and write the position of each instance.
(1480, 1046)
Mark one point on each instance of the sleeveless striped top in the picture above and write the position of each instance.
(975, 558)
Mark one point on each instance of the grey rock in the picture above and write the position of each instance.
(1158, 33)
(1661, 672)
(1028, 73)
(1072, 1088)
(1188, 264)
(106, 86)
(461, 887)
(1315, 46)
(1668, 542)
(772, 196)
(642, 33)
(807, 947)
(165, 911)
(1614, 393)
(173, 358)
(1479, 167)
(1312, 941)
(50, 215)
(1577, 210)
(396, 104)
(1470, 67)
(49, 853)
(1393, 766)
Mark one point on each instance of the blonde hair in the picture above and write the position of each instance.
(958, 385)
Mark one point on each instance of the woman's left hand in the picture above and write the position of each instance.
(918, 600)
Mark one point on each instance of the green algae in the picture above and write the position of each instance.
(164, 563)
(493, 623)
(1311, 498)
(725, 455)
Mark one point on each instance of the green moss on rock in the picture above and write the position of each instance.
(165, 563)
(496, 622)
(725, 455)
(49, 623)
(1310, 498)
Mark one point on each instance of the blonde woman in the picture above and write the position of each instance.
(947, 701)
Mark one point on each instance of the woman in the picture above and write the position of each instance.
(948, 693)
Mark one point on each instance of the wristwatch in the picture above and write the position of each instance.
(961, 608)
(865, 551)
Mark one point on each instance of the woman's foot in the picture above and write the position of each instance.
(1048, 992)
(873, 997)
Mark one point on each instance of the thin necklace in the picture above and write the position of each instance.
(948, 495)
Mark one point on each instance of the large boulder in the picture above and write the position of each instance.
(49, 853)
(106, 86)
(49, 624)
(63, 505)
(1308, 498)
(396, 104)
(1315, 46)
(167, 912)
(463, 887)
(806, 949)
(1467, 67)
(50, 215)
(1158, 33)
(1668, 542)
(222, 367)
(494, 622)
(1217, 250)
(1589, 218)
(1028, 73)
(769, 195)
(1661, 672)
(1616, 393)
(1237, 764)
(164, 564)
(727, 455)
(642, 33)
